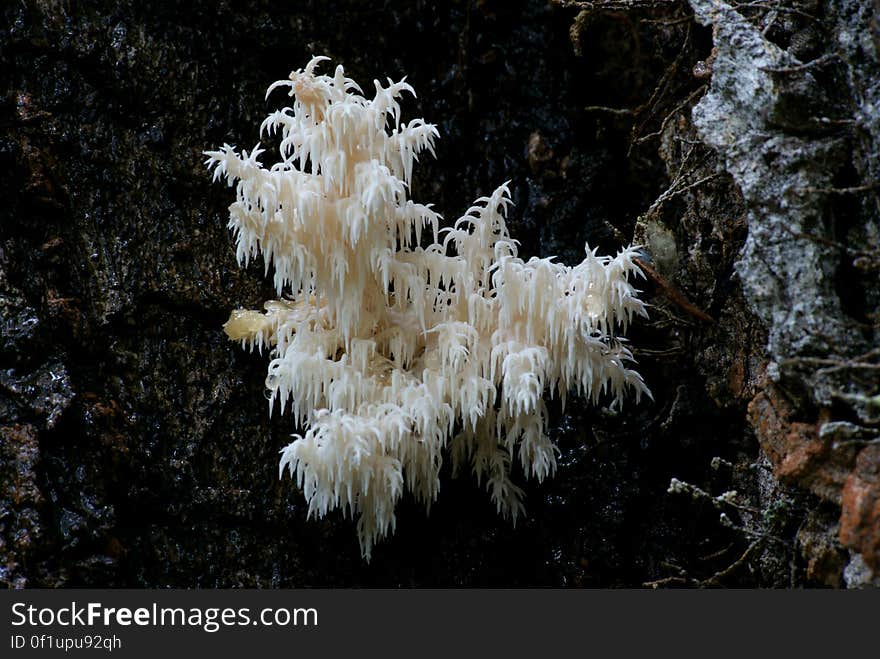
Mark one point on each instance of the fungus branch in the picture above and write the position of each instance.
(398, 339)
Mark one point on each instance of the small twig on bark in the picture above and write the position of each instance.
(716, 579)
(674, 192)
(603, 108)
(673, 293)
(668, 117)
(827, 242)
(776, 7)
(801, 67)
(617, 5)
(851, 190)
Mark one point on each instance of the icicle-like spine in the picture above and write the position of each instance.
(389, 345)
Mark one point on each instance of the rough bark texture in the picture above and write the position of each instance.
(739, 142)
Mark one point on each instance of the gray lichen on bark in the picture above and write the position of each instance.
(788, 280)
(798, 137)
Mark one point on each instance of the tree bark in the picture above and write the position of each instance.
(738, 142)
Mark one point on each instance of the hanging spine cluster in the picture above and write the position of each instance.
(386, 349)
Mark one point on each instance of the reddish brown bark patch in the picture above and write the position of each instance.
(860, 516)
(799, 456)
(845, 472)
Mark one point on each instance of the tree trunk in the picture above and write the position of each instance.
(739, 143)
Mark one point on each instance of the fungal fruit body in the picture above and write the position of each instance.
(398, 340)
